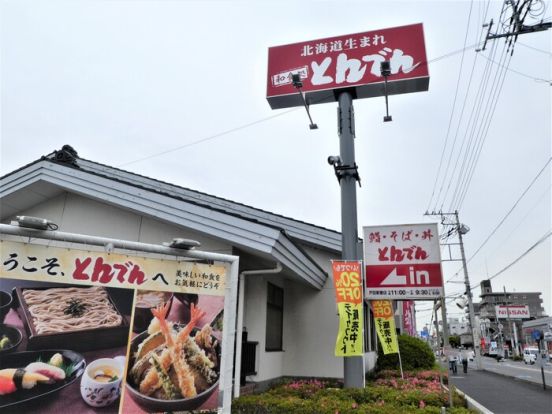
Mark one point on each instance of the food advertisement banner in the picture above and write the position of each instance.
(403, 262)
(54, 264)
(352, 61)
(385, 325)
(347, 277)
(84, 331)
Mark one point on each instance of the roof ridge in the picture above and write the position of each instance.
(210, 195)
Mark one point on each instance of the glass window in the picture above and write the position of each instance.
(274, 318)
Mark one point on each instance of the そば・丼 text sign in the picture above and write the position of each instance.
(403, 262)
(350, 61)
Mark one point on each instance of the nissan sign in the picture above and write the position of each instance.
(512, 311)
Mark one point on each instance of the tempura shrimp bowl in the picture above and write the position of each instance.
(172, 366)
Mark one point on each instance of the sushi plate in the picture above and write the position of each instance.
(71, 359)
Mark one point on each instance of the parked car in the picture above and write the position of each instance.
(530, 355)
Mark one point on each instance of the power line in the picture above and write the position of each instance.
(481, 134)
(479, 98)
(211, 137)
(504, 218)
(453, 107)
(471, 124)
(518, 72)
(525, 253)
(539, 200)
(244, 126)
(483, 137)
(478, 118)
(546, 52)
(511, 209)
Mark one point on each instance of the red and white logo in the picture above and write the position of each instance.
(403, 262)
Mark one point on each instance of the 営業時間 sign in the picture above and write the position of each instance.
(351, 61)
(403, 262)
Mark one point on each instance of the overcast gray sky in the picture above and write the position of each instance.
(175, 90)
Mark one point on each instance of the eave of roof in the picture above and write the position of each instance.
(175, 208)
(311, 234)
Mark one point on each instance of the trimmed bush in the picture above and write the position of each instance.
(454, 341)
(415, 354)
(418, 393)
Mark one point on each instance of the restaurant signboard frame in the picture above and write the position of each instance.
(403, 262)
(348, 62)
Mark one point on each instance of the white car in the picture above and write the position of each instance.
(530, 355)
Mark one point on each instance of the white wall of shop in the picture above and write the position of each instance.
(312, 326)
(310, 318)
(77, 214)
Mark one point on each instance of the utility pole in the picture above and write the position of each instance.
(347, 174)
(512, 341)
(475, 337)
(515, 24)
(461, 230)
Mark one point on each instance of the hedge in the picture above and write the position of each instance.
(419, 392)
(415, 354)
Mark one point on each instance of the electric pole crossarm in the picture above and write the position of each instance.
(523, 30)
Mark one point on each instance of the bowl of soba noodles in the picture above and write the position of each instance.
(145, 301)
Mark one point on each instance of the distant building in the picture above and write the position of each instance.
(513, 308)
(458, 326)
(543, 325)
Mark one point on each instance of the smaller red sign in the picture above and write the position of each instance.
(413, 275)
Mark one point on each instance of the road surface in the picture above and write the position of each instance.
(518, 369)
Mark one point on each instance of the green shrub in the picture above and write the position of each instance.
(454, 341)
(418, 393)
(415, 354)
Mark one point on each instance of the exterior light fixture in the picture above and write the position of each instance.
(298, 84)
(36, 223)
(385, 68)
(463, 229)
(461, 302)
(185, 244)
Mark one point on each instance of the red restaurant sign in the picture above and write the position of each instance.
(350, 61)
(403, 262)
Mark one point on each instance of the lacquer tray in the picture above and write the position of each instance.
(81, 340)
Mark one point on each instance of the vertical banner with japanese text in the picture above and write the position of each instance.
(347, 277)
(385, 325)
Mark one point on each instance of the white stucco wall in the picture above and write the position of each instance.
(269, 364)
(310, 319)
(77, 214)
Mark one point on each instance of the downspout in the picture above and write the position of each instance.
(239, 320)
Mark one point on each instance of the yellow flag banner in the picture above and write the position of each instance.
(385, 325)
(348, 290)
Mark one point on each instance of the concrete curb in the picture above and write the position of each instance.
(528, 381)
(474, 404)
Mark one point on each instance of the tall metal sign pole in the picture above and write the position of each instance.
(347, 174)
(341, 68)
